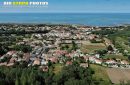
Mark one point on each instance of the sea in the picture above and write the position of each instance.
(89, 19)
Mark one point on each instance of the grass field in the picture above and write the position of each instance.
(108, 75)
(122, 42)
(117, 56)
(100, 72)
(57, 68)
(89, 47)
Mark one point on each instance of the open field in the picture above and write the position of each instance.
(117, 75)
(122, 43)
(114, 75)
(100, 73)
(88, 47)
(117, 56)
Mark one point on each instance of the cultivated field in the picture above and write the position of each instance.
(117, 75)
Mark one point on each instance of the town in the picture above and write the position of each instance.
(62, 44)
(43, 45)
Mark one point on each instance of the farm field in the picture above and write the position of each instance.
(110, 75)
(117, 75)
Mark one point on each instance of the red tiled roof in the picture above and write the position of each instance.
(68, 63)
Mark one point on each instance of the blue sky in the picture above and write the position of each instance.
(86, 6)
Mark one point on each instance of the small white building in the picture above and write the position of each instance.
(110, 62)
(98, 61)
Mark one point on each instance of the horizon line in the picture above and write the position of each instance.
(64, 12)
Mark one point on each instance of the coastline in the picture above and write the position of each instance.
(52, 24)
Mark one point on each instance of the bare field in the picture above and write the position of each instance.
(117, 75)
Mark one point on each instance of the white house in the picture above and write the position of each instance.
(98, 61)
(110, 62)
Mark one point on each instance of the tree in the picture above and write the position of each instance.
(23, 48)
(72, 81)
(67, 47)
(110, 48)
(4, 59)
(62, 48)
(17, 81)
(101, 52)
(129, 57)
(3, 50)
(49, 64)
(74, 46)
